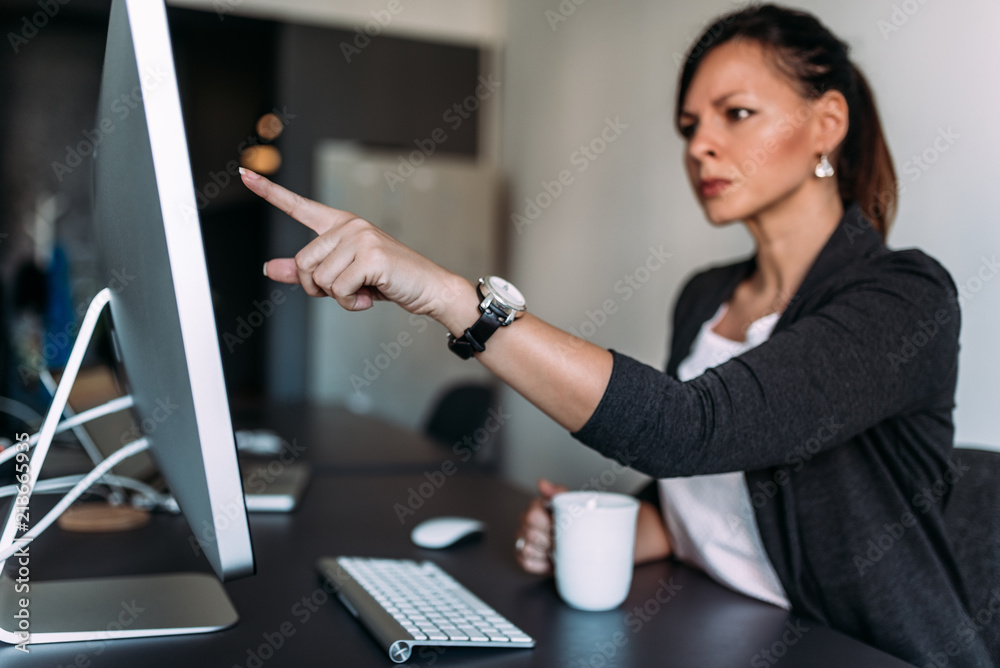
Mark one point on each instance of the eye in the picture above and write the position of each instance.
(687, 131)
(738, 113)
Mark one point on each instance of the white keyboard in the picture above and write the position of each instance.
(405, 603)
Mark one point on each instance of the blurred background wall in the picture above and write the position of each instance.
(572, 74)
(927, 63)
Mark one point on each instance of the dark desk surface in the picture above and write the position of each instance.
(328, 437)
(334, 439)
(686, 619)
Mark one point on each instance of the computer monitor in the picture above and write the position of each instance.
(165, 338)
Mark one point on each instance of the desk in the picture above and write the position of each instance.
(700, 624)
(337, 440)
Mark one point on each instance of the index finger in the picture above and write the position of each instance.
(318, 217)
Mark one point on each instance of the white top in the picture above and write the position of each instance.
(711, 520)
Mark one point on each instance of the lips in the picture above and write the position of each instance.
(712, 187)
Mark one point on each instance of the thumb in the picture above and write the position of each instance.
(548, 489)
(282, 270)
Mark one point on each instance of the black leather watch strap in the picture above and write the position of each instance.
(475, 337)
(473, 340)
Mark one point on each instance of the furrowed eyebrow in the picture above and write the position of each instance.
(715, 103)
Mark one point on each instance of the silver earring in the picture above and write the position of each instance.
(823, 168)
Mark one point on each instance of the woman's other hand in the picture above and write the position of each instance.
(535, 537)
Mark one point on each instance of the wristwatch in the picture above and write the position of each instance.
(500, 304)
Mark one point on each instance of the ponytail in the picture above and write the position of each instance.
(865, 170)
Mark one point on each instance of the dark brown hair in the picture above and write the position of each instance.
(805, 51)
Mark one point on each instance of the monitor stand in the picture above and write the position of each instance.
(33, 612)
(107, 608)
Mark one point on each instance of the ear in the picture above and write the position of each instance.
(830, 121)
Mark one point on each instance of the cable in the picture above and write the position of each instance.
(113, 406)
(151, 497)
(21, 411)
(125, 452)
(59, 400)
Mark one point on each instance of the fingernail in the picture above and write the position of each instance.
(265, 265)
(250, 175)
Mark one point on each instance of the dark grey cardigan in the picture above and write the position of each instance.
(842, 421)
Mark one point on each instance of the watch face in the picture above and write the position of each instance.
(507, 293)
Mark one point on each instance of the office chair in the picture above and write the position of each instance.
(972, 513)
(460, 416)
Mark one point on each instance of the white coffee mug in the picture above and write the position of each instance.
(594, 545)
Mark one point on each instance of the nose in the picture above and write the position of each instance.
(703, 143)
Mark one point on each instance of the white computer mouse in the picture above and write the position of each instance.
(442, 532)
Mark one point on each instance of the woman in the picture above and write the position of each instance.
(795, 399)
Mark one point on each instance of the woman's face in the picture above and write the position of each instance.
(748, 130)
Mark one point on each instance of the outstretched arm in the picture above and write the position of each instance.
(356, 264)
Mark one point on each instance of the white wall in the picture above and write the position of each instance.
(386, 361)
(459, 21)
(619, 61)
